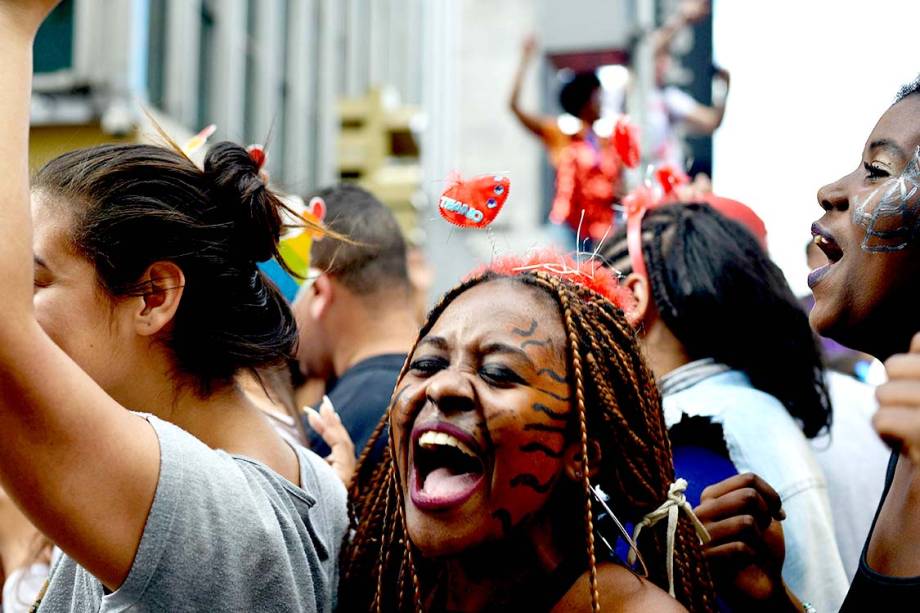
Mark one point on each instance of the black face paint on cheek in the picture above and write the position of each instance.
(399, 394)
(531, 481)
(504, 517)
(894, 221)
(545, 428)
(536, 447)
(527, 332)
(553, 394)
(403, 418)
(552, 374)
(542, 408)
(543, 343)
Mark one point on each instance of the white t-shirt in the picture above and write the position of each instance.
(22, 586)
(854, 461)
(667, 108)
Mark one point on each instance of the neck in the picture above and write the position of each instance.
(224, 419)
(368, 334)
(663, 352)
(490, 576)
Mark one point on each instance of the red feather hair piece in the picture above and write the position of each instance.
(589, 273)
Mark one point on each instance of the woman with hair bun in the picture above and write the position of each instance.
(133, 286)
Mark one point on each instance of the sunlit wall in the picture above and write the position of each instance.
(809, 80)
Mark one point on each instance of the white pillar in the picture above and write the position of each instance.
(299, 109)
(183, 39)
(228, 69)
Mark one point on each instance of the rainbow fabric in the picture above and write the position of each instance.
(294, 249)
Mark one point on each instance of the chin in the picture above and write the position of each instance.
(434, 541)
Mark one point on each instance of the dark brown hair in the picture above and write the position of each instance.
(616, 404)
(134, 205)
(375, 258)
(722, 296)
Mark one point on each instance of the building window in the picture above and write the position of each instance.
(54, 42)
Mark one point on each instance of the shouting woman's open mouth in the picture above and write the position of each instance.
(445, 466)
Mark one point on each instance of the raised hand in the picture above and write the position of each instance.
(327, 423)
(898, 417)
(692, 11)
(529, 47)
(746, 553)
(24, 16)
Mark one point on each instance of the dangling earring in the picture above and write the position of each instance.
(601, 498)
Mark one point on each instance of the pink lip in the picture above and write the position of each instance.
(427, 502)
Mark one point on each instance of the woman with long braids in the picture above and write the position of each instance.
(133, 285)
(739, 372)
(524, 391)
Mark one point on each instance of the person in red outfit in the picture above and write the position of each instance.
(588, 169)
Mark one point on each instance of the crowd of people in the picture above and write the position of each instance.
(656, 428)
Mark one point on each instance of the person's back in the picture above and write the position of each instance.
(729, 344)
(356, 316)
(224, 533)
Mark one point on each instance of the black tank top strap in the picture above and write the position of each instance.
(873, 591)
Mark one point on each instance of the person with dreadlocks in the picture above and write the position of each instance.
(739, 372)
(524, 391)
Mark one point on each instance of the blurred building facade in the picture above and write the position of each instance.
(261, 70)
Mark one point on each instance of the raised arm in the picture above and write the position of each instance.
(688, 13)
(706, 119)
(533, 123)
(82, 467)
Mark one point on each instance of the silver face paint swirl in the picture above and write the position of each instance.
(891, 212)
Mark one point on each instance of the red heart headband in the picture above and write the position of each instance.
(643, 199)
(590, 273)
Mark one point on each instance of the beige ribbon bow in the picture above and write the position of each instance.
(669, 509)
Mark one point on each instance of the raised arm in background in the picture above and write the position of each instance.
(534, 123)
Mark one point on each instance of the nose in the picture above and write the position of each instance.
(451, 391)
(834, 196)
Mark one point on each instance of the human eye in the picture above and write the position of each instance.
(875, 171)
(500, 375)
(427, 365)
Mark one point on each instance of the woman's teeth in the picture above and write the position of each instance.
(432, 439)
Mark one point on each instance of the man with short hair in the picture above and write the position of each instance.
(355, 313)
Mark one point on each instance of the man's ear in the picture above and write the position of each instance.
(571, 458)
(161, 288)
(641, 290)
(323, 294)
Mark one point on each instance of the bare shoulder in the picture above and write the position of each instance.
(621, 591)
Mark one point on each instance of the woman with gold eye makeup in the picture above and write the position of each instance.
(483, 499)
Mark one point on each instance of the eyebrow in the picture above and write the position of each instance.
(888, 145)
(437, 342)
(40, 262)
(507, 349)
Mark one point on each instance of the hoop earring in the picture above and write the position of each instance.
(601, 498)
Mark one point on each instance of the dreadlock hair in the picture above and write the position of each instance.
(720, 294)
(616, 404)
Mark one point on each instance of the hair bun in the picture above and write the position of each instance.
(243, 198)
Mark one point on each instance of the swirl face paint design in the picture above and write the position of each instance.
(890, 213)
(482, 428)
